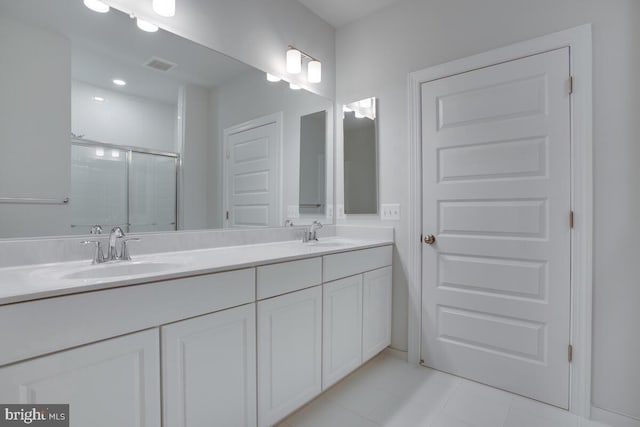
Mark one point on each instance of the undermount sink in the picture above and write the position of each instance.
(330, 243)
(118, 269)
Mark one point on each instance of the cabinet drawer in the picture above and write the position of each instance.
(278, 279)
(350, 263)
(37, 327)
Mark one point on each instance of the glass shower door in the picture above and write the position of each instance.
(152, 192)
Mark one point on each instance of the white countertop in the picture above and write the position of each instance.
(31, 282)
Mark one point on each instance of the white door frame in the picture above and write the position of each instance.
(241, 127)
(579, 41)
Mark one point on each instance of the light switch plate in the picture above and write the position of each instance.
(390, 212)
(293, 212)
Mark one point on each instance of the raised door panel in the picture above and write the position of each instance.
(111, 383)
(289, 353)
(376, 306)
(209, 370)
(342, 329)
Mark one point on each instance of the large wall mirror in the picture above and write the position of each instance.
(360, 156)
(102, 123)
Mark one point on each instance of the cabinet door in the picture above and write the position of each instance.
(209, 370)
(342, 329)
(289, 353)
(111, 383)
(376, 319)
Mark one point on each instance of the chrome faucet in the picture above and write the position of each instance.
(310, 235)
(112, 253)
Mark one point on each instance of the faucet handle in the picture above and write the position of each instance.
(98, 255)
(96, 229)
(124, 254)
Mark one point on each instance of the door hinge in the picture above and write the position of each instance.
(571, 219)
(227, 216)
(570, 85)
(570, 353)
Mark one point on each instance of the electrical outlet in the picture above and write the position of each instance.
(293, 212)
(340, 212)
(390, 212)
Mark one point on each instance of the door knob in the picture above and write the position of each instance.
(430, 239)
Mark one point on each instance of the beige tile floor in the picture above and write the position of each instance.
(387, 391)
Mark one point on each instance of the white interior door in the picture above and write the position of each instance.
(253, 177)
(496, 197)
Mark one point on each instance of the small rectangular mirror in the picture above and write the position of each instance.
(313, 137)
(360, 144)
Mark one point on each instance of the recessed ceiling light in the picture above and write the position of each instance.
(119, 82)
(97, 6)
(98, 99)
(146, 26)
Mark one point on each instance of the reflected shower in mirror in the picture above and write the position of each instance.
(313, 142)
(105, 124)
(360, 157)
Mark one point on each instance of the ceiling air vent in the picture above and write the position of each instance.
(160, 64)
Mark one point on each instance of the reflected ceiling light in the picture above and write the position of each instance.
(98, 99)
(99, 151)
(119, 82)
(314, 72)
(115, 153)
(294, 61)
(97, 6)
(164, 7)
(359, 115)
(146, 25)
(272, 78)
(294, 86)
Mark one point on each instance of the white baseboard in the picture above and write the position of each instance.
(613, 419)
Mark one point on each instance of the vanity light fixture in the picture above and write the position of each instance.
(294, 60)
(97, 6)
(294, 64)
(115, 153)
(314, 71)
(272, 78)
(165, 8)
(294, 86)
(146, 25)
(119, 82)
(100, 152)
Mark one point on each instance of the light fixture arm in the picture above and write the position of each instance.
(303, 53)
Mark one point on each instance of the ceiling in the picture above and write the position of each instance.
(105, 46)
(341, 12)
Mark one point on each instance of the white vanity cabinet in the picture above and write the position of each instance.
(376, 312)
(209, 370)
(110, 383)
(342, 328)
(289, 353)
(357, 310)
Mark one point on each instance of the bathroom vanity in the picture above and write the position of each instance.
(231, 336)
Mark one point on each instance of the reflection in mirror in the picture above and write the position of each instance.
(313, 141)
(146, 153)
(360, 157)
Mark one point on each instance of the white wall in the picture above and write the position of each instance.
(374, 56)
(250, 96)
(256, 32)
(122, 119)
(34, 128)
